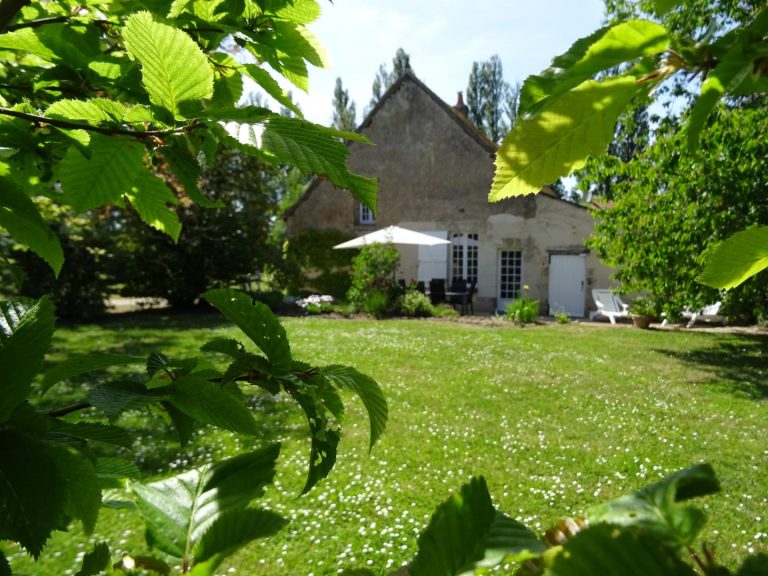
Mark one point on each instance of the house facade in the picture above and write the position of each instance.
(435, 171)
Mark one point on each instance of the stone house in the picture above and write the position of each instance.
(435, 170)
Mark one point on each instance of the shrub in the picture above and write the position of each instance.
(562, 317)
(373, 285)
(414, 303)
(522, 310)
(445, 311)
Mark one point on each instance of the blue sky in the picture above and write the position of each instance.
(443, 38)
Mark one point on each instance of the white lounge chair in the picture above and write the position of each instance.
(608, 305)
(709, 313)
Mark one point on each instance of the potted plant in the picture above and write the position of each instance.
(643, 311)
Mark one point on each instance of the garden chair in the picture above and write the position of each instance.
(709, 313)
(437, 290)
(608, 305)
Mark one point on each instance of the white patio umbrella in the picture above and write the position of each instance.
(392, 235)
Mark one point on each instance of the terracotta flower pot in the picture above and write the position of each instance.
(641, 321)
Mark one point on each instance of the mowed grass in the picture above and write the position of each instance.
(555, 417)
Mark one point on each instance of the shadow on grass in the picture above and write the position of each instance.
(739, 366)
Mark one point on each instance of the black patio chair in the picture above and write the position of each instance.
(437, 290)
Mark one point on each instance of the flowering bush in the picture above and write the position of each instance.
(316, 304)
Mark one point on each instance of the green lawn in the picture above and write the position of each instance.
(555, 417)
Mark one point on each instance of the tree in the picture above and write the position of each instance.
(124, 103)
(570, 115)
(671, 208)
(492, 102)
(401, 63)
(217, 248)
(344, 113)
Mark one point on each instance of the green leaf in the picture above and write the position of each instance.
(155, 362)
(229, 533)
(187, 170)
(656, 508)
(601, 51)
(111, 472)
(317, 150)
(661, 7)
(25, 336)
(42, 487)
(20, 217)
(257, 321)
(174, 68)
(92, 431)
(180, 510)
(213, 404)
(75, 365)
(369, 392)
(325, 436)
(113, 166)
(756, 565)
(300, 11)
(559, 139)
(5, 568)
(736, 259)
(466, 532)
(87, 112)
(270, 86)
(150, 196)
(607, 549)
(228, 346)
(96, 561)
(115, 399)
(28, 41)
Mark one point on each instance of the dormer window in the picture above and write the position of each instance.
(365, 215)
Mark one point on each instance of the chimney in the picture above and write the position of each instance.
(460, 107)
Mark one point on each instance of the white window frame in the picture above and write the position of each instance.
(507, 290)
(464, 257)
(365, 215)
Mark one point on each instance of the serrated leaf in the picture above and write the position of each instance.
(180, 510)
(183, 425)
(617, 551)
(155, 362)
(661, 7)
(150, 196)
(113, 166)
(559, 139)
(316, 150)
(78, 111)
(257, 321)
(656, 507)
(111, 472)
(466, 532)
(95, 561)
(300, 11)
(76, 365)
(83, 494)
(601, 51)
(187, 169)
(113, 400)
(213, 404)
(228, 346)
(20, 217)
(174, 68)
(736, 259)
(231, 532)
(92, 431)
(325, 437)
(243, 114)
(271, 87)
(33, 492)
(369, 392)
(28, 41)
(25, 336)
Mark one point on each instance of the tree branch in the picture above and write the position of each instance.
(8, 11)
(38, 23)
(69, 409)
(67, 125)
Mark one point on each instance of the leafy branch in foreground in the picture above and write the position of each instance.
(50, 475)
(648, 533)
(96, 96)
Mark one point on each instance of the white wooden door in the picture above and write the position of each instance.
(433, 260)
(567, 280)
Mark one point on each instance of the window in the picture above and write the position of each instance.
(464, 257)
(364, 215)
(511, 274)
